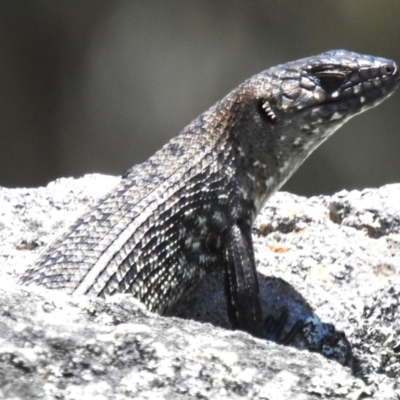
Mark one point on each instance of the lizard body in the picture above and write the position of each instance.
(189, 209)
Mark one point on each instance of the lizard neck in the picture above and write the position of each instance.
(264, 154)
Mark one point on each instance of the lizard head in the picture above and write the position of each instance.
(290, 109)
(326, 90)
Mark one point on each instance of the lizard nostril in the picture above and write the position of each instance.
(388, 69)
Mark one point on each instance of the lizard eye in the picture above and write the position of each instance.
(330, 80)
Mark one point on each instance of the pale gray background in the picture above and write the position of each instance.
(97, 86)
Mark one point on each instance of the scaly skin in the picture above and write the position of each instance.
(189, 209)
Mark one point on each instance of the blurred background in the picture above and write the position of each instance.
(97, 86)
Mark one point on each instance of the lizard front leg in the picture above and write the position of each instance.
(241, 282)
(242, 289)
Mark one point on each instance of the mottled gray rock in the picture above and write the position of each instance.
(335, 259)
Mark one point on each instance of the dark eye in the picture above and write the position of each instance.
(330, 80)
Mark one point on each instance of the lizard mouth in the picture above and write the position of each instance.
(369, 84)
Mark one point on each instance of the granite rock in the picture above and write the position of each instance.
(331, 259)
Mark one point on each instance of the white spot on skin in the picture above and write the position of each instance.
(218, 216)
(269, 187)
(196, 246)
(243, 192)
(283, 137)
(285, 167)
(297, 141)
(201, 220)
(202, 259)
(235, 212)
(319, 96)
(334, 95)
(182, 232)
(308, 145)
(316, 131)
(336, 115)
(362, 99)
(188, 242)
(188, 212)
(251, 176)
(269, 182)
(258, 202)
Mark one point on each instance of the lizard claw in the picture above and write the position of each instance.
(274, 329)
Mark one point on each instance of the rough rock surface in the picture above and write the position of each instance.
(336, 258)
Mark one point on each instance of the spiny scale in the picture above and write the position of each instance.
(189, 209)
